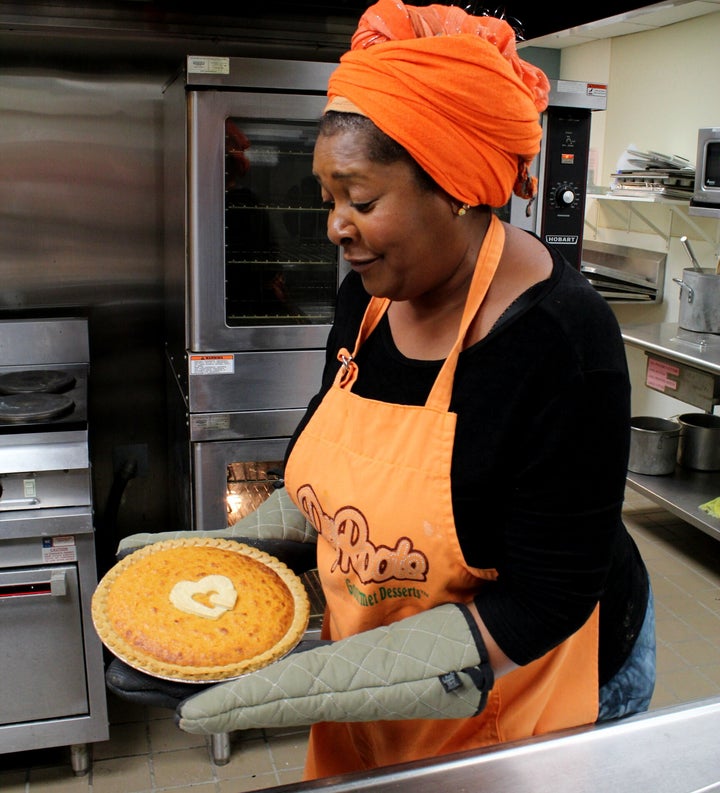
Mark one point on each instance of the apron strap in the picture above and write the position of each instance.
(485, 267)
(374, 312)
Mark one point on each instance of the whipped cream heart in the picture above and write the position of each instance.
(219, 590)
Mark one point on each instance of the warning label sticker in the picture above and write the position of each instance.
(212, 364)
(59, 549)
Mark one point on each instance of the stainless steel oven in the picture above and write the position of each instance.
(251, 277)
(248, 263)
(52, 686)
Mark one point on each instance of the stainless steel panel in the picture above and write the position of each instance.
(24, 341)
(44, 489)
(41, 645)
(44, 451)
(277, 74)
(39, 524)
(175, 244)
(134, 33)
(81, 236)
(247, 381)
(670, 751)
(244, 425)
(577, 93)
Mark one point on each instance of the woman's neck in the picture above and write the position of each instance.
(426, 328)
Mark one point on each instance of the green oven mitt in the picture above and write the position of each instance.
(432, 665)
(277, 527)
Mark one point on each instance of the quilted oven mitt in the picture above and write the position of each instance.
(433, 665)
(277, 527)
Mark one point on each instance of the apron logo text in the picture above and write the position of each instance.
(384, 593)
(349, 534)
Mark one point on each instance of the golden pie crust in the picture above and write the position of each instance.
(137, 621)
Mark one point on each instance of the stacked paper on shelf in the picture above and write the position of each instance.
(649, 173)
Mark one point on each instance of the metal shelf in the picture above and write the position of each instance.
(635, 205)
(683, 491)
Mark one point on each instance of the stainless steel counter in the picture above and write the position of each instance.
(699, 350)
(676, 750)
(684, 490)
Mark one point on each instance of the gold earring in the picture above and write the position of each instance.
(463, 210)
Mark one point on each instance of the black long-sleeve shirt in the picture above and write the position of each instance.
(539, 460)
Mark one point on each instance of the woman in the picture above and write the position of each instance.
(462, 468)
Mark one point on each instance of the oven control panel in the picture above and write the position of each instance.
(567, 145)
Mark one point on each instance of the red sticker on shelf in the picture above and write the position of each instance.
(660, 375)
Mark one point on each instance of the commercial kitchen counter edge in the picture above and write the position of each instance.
(673, 750)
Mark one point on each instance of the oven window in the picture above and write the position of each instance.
(248, 485)
(280, 267)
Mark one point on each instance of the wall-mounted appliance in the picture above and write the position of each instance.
(557, 215)
(706, 198)
(251, 276)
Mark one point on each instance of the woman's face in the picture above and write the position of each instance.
(401, 236)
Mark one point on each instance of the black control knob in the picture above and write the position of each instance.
(565, 196)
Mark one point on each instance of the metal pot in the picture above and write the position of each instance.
(699, 300)
(699, 446)
(653, 445)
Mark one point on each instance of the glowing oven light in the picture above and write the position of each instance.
(234, 503)
(248, 484)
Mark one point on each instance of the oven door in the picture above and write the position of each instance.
(41, 645)
(260, 273)
(232, 478)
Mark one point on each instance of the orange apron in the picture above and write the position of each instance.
(374, 479)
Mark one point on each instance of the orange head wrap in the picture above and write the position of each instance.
(452, 89)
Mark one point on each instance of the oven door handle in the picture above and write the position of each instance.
(14, 503)
(56, 586)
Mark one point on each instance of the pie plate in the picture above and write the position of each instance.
(200, 610)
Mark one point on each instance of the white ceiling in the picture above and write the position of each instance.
(642, 19)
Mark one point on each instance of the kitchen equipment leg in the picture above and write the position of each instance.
(220, 744)
(79, 759)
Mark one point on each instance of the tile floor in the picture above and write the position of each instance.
(147, 753)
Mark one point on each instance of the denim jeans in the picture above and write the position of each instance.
(631, 689)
